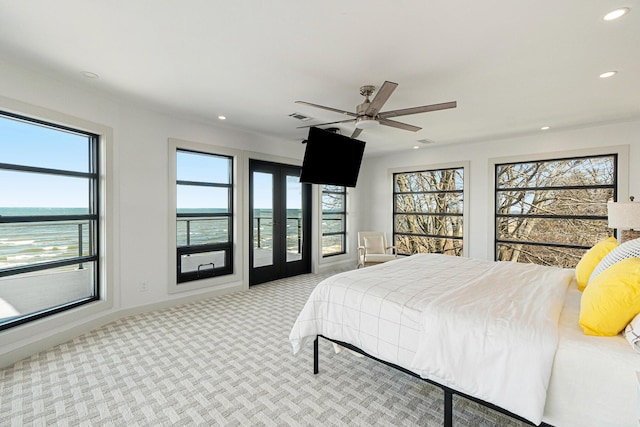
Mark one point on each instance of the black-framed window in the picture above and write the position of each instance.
(204, 215)
(550, 212)
(428, 209)
(49, 221)
(334, 220)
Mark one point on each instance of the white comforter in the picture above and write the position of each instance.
(487, 329)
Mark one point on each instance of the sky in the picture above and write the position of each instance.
(27, 144)
(209, 168)
(262, 197)
(30, 145)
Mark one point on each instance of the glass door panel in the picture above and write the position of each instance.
(262, 219)
(294, 218)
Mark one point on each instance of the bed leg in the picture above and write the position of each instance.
(448, 408)
(315, 356)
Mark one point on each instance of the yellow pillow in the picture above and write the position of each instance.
(612, 299)
(591, 258)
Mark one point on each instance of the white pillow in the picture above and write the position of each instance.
(632, 333)
(374, 245)
(629, 249)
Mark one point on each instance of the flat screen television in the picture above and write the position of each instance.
(331, 158)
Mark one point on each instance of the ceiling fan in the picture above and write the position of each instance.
(368, 113)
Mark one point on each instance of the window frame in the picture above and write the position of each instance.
(216, 283)
(96, 227)
(612, 152)
(464, 166)
(226, 247)
(343, 213)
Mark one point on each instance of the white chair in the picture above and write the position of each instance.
(373, 249)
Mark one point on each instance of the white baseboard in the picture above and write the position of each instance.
(337, 267)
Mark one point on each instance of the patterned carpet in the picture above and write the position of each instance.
(221, 361)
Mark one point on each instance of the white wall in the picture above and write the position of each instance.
(375, 187)
(139, 207)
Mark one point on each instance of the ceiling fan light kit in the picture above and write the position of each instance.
(368, 113)
(364, 122)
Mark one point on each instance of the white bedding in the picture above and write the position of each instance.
(593, 382)
(483, 328)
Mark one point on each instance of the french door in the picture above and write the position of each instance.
(280, 222)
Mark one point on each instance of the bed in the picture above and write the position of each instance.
(504, 334)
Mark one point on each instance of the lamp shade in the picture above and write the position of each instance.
(623, 215)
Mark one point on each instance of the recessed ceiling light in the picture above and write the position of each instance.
(89, 75)
(222, 118)
(415, 147)
(545, 128)
(615, 14)
(608, 74)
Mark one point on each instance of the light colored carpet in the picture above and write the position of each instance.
(221, 361)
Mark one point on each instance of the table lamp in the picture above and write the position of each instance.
(626, 217)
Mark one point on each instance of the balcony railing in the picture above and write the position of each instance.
(35, 246)
(262, 237)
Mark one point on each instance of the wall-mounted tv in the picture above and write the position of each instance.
(331, 158)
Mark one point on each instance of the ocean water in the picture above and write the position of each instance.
(31, 243)
(263, 229)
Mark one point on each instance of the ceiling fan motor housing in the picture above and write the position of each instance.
(361, 109)
(363, 121)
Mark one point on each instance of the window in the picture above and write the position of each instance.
(428, 211)
(550, 211)
(334, 220)
(49, 231)
(204, 215)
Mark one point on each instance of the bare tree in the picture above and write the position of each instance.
(428, 211)
(555, 202)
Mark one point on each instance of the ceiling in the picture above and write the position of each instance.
(512, 66)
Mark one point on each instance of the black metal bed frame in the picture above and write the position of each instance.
(448, 392)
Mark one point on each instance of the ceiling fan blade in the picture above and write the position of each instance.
(348, 113)
(322, 124)
(356, 132)
(416, 110)
(398, 125)
(381, 97)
